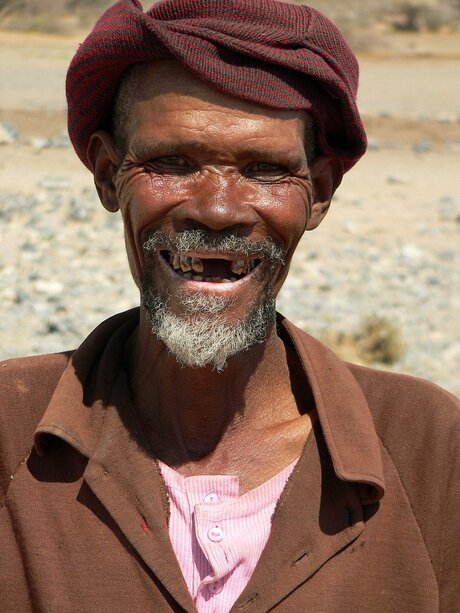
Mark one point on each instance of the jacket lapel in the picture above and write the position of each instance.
(321, 509)
(319, 512)
(92, 411)
(127, 481)
(316, 516)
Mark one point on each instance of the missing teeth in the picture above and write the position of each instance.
(215, 270)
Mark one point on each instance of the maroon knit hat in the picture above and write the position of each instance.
(272, 53)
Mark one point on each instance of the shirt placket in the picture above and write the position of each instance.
(209, 497)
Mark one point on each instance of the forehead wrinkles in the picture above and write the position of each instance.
(166, 87)
(179, 112)
(167, 78)
(203, 134)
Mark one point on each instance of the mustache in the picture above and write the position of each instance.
(210, 242)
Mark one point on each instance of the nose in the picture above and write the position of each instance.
(219, 202)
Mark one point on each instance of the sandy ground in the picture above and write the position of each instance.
(409, 95)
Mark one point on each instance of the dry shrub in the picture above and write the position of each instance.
(420, 15)
(343, 344)
(377, 340)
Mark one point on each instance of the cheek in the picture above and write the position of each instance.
(289, 210)
(144, 201)
(144, 197)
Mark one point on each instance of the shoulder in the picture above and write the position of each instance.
(401, 404)
(418, 424)
(32, 377)
(26, 387)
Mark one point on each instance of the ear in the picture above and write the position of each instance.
(327, 174)
(104, 162)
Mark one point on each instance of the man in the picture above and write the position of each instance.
(202, 453)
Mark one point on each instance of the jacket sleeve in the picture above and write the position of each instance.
(449, 582)
(419, 425)
(26, 386)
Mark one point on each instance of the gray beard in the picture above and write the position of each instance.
(202, 337)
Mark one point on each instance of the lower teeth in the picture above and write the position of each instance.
(188, 275)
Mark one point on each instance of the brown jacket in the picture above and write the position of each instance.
(368, 522)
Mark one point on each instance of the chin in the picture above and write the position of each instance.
(205, 332)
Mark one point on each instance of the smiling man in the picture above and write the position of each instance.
(201, 453)
(215, 193)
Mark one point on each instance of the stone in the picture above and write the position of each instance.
(423, 146)
(373, 144)
(411, 253)
(448, 208)
(8, 133)
(55, 183)
(49, 288)
(62, 141)
(79, 209)
(39, 142)
(392, 180)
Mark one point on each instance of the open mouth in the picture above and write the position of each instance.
(208, 269)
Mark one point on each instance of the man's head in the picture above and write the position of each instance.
(215, 193)
(276, 54)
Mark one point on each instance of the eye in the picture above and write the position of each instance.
(264, 170)
(171, 164)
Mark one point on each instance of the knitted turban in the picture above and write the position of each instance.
(280, 55)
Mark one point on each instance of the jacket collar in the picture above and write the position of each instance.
(340, 468)
(80, 403)
(344, 415)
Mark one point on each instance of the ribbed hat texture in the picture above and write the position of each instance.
(280, 55)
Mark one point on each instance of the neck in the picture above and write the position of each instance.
(188, 412)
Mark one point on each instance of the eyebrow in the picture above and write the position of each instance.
(166, 148)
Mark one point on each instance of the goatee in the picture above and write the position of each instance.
(203, 336)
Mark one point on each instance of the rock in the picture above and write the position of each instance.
(49, 288)
(373, 144)
(448, 208)
(79, 209)
(392, 180)
(62, 141)
(55, 183)
(8, 133)
(15, 204)
(9, 294)
(393, 144)
(411, 254)
(21, 296)
(53, 326)
(433, 280)
(39, 308)
(39, 142)
(448, 255)
(423, 146)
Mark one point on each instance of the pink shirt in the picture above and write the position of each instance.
(217, 535)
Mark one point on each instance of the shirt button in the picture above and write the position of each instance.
(211, 498)
(215, 587)
(215, 534)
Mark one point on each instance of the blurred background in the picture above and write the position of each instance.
(379, 281)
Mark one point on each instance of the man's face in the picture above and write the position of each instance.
(215, 195)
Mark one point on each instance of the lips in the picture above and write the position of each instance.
(208, 269)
